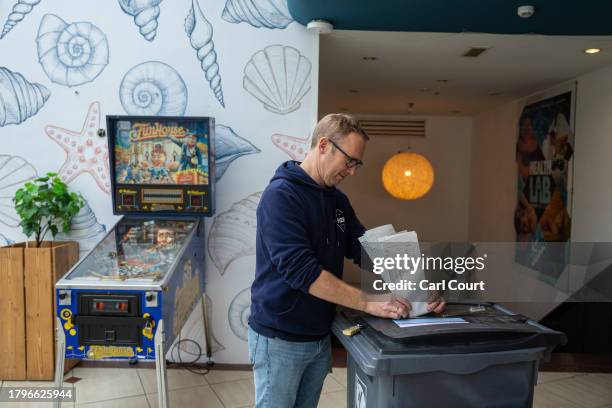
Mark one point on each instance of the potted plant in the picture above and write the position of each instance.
(28, 272)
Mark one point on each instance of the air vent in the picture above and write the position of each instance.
(475, 51)
(414, 127)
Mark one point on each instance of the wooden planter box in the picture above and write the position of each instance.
(27, 309)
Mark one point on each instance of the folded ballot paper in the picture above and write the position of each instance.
(385, 242)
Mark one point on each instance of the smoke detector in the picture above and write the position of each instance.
(320, 26)
(525, 11)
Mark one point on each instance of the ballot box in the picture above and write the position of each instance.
(476, 355)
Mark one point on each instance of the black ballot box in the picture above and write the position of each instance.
(481, 356)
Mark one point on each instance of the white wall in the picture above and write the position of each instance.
(442, 214)
(235, 44)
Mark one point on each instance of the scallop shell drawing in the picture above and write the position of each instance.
(295, 147)
(200, 33)
(232, 234)
(19, 11)
(153, 88)
(229, 146)
(279, 77)
(258, 13)
(145, 13)
(239, 312)
(71, 54)
(19, 98)
(14, 173)
(85, 229)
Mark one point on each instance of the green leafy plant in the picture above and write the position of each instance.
(45, 205)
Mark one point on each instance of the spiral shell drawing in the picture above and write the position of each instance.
(14, 172)
(258, 13)
(85, 229)
(279, 77)
(295, 147)
(232, 234)
(229, 146)
(19, 99)
(71, 54)
(200, 33)
(239, 312)
(153, 88)
(19, 11)
(145, 13)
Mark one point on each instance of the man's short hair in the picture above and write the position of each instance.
(336, 126)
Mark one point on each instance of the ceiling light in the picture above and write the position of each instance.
(592, 50)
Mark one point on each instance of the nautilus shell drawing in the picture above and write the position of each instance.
(239, 312)
(71, 54)
(145, 13)
(85, 229)
(232, 234)
(279, 77)
(229, 146)
(153, 88)
(200, 33)
(14, 172)
(18, 13)
(295, 147)
(258, 13)
(19, 98)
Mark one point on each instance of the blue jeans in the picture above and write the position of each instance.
(288, 374)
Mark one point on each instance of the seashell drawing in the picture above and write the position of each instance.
(14, 172)
(232, 234)
(258, 13)
(295, 147)
(279, 77)
(19, 11)
(86, 152)
(229, 146)
(145, 13)
(4, 241)
(239, 312)
(85, 229)
(19, 99)
(200, 33)
(153, 88)
(71, 54)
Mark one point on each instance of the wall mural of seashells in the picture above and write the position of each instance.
(153, 88)
(279, 77)
(86, 152)
(71, 54)
(200, 33)
(18, 13)
(85, 229)
(145, 13)
(258, 13)
(232, 235)
(295, 147)
(14, 172)
(228, 147)
(239, 312)
(19, 98)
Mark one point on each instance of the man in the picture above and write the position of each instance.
(305, 228)
(191, 157)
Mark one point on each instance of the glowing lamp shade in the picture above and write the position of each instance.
(407, 176)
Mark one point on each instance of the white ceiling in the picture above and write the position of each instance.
(514, 65)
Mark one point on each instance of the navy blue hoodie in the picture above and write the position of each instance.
(302, 228)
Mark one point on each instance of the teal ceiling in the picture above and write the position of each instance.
(552, 17)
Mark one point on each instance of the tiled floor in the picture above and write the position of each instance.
(136, 388)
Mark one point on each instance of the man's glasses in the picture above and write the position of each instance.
(351, 162)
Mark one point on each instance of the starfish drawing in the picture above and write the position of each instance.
(86, 152)
(295, 147)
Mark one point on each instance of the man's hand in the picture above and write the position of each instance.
(388, 306)
(435, 303)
